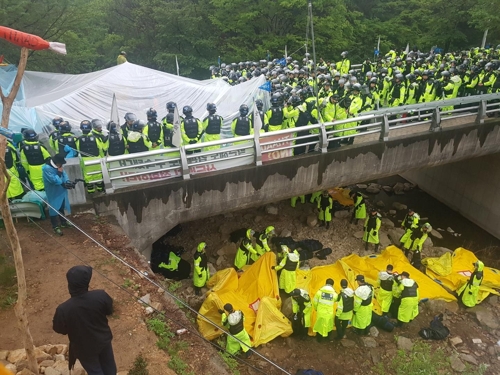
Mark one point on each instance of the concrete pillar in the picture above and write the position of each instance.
(471, 187)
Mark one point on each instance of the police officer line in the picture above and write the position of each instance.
(189, 160)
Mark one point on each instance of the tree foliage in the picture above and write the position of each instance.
(154, 32)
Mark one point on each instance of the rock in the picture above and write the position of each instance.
(404, 343)
(46, 363)
(434, 233)
(457, 364)
(286, 307)
(387, 222)
(257, 219)
(399, 206)
(428, 243)
(384, 240)
(375, 355)
(361, 186)
(26, 371)
(220, 260)
(374, 331)
(12, 368)
(149, 310)
(211, 269)
(395, 234)
(286, 233)
(492, 300)
(358, 234)
(52, 371)
(78, 369)
(40, 355)
(272, 210)
(146, 299)
(408, 186)
(369, 342)
(3, 354)
(437, 306)
(62, 367)
(456, 341)
(449, 230)
(468, 358)
(398, 188)
(392, 212)
(477, 341)
(342, 214)
(16, 355)
(312, 221)
(52, 350)
(372, 189)
(485, 317)
(387, 188)
(380, 204)
(22, 364)
(347, 343)
(229, 249)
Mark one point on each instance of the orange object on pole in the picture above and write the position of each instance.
(30, 41)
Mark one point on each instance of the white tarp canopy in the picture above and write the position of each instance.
(44, 96)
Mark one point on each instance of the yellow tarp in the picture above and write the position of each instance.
(342, 196)
(259, 285)
(453, 271)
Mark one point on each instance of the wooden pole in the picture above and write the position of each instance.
(10, 229)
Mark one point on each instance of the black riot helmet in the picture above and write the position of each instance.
(85, 126)
(64, 127)
(187, 110)
(138, 125)
(112, 127)
(243, 110)
(211, 108)
(260, 104)
(130, 117)
(151, 114)
(30, 135)
(57, 121)
(171, 106)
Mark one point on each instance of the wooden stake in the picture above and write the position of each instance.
(10, 229)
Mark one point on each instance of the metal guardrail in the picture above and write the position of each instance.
(255, 149)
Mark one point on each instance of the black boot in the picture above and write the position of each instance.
(376, 247)
(327, 225)
(366, 245)
(321, 223)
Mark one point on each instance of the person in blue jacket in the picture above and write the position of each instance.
(57, 183)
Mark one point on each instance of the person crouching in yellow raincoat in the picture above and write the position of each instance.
(288, 266)
(469, 291)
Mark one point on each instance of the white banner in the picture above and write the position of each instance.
(279, 142)
(213, 162)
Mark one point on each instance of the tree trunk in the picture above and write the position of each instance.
(9, 224)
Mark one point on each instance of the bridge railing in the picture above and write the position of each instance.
(257, 149)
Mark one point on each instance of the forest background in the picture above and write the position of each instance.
(153, 32)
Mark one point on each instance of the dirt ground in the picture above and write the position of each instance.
(47, 261)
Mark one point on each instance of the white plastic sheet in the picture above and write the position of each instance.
(89, 96)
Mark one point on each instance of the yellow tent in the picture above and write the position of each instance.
(454, 270)
(256, 292)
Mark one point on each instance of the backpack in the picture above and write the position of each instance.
(309, 372)
(436, 331)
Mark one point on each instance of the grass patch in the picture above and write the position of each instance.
(229, 360)
(423, 360)
(8, 287)
(140, 366)
(159, 326)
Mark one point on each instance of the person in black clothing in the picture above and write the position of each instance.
(83, 319)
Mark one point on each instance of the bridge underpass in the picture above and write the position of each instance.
(148, 211)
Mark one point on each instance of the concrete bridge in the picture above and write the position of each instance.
(147, 211)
